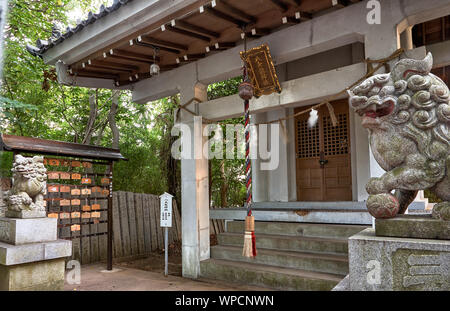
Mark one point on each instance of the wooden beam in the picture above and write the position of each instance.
(339, 3)
(298, 2)
(113, 65)
(280, 5)
(193, 28)
(223, 46)
(162, 43)
(226, 17)
(257, 32)
(188, 33)
(154, 46)
(242, 15)
(95, 74)
(131, 56)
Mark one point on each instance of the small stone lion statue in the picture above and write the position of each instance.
(407, 113)
(29, 184)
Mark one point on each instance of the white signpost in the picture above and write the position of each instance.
(166, 221)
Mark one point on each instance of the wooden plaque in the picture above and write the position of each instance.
(105, 192)
(64, 189)
(53, 162)
(96, 221)
(86, 215)
(75, 228)
(53, 215)
(64, 215)
(64, 175)
(261, 70)
(76, 176)
(75, 202)
(96, 189)
(105, 181)
(87, 164)
(85, 191)
(75, 163)
(86, 181)
(95, 214)
(65, 163)
(75, 215)
(53, 188)
(53, 175)
(45, 161)
(64, 203)
(95, 207)
(75, 191)
(86, 208)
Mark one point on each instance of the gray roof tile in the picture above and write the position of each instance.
(57, 37)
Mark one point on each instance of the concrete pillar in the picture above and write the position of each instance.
(194, 189)
(406, 40)
(278, 177)
(259, 177)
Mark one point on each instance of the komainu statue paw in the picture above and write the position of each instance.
(441, 211)
(383, 205)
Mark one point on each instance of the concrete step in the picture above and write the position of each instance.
(298, 229)
(327, 263)
(268, 276)
(289, 243)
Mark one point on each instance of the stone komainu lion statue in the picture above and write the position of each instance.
(407, 113)
(29, 184)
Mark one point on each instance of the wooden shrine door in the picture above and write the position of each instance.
(323, 161)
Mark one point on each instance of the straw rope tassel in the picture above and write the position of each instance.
(249, 249)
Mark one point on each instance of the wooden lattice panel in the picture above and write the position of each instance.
(335, 138)
(308, 140)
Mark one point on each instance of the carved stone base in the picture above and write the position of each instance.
(387, 263)
(36, 276)
(26, 214)
(413, 226)
(17, 231)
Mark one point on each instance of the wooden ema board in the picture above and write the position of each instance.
(77, 195)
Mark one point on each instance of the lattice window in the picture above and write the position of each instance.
(335, 138)
(308, 140)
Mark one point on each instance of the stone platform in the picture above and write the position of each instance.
(413, 226)
(31, 256)
(391, 263)
(22, 231)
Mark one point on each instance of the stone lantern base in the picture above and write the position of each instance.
(31, 256)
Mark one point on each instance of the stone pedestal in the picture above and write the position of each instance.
(395, 263)
(31, 256)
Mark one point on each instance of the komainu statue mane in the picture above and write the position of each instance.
(407, 113)
(29, 185)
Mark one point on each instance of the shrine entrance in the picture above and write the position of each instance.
(323, 159)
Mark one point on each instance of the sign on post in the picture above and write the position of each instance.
(166, 209)
(166, 221)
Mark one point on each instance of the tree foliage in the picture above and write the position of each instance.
(32, 103)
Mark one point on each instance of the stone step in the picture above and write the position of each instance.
(290, 243)
(298, 229)
(268, 276)
(327, 263)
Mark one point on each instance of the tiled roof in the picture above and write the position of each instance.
(57, 37)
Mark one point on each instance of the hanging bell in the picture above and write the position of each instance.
(154, 70)
(245, 90)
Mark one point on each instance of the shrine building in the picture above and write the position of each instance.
(307, 206)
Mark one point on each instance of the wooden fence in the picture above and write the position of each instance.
(136, 229)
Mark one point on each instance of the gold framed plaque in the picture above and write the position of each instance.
(261, 70)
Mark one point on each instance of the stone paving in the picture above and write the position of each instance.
(93, 278)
